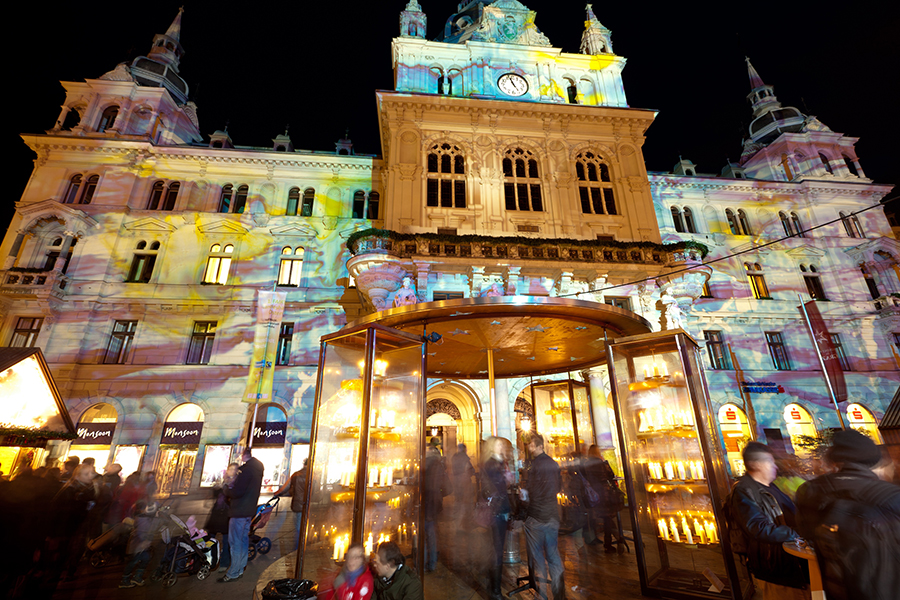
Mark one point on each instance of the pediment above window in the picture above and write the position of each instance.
(149, 224)
(71, 218)
(805, 252)
(222, 226)
(294, 230)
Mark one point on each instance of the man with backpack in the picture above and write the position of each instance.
(766, 517)
(853, 521)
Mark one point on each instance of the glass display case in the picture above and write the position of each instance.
(674, 468)
(563, 416)
(368, 444)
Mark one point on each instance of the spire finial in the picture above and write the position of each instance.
(755, 80)
(174, 30)
(286, 129)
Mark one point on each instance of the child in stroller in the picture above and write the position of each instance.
(259, 544)
(188, 550)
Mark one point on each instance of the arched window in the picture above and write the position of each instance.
(290, 270)
(572, 92)
(240, 199)
(359, 204)
(800, 425)
(293, 202)
(871, 284)
(72, 191)
(732, 222)
(73, 118)
(861, 419)
(689, 224)
(677, 219)
(225, 198)
(786, 166)
(744, 222)
(108, 118)
(309, 197)
(171, 196)
(594, 185)
(757, 281)
(825, 163)
(373, 205)
(446, 178)
(156, 193)
(142, 262)
(813, 282)
(786, 224)
(522, 183)
(218, 264)
(55, 252)
(850, 166)
(798, 228)
(851, 225)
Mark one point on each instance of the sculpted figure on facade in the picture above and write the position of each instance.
(406, 295)
(492, 291)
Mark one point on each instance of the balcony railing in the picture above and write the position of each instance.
(31, 282)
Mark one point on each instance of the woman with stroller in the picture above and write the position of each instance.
(217, 521)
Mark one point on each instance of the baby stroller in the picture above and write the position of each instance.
(188, 550)
(258, 544)
(109, 547)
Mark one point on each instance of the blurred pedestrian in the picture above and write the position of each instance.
(461, 470)
(790, 475)
(437, 485)
(496, 478)
(69, 468)
(394, 580)
(601, 478)
(542, 518)
(220, 513)
(767, 518)
(140, 542)
(69, 511)
(244, 496)
(296, 488)
(148, 481)
(853, 520)
(355, 581)
(124, 500)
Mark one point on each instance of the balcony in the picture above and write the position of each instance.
(32, 283)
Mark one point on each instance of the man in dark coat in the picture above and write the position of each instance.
(767, 517)
(244, 496)
(542, 518)
(296, 487)
(393, 579)
(436, 487)
(856, 561)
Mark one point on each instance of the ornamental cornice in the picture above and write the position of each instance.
(762, 186)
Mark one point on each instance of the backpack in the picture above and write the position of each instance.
(591, 497)
(857, 543)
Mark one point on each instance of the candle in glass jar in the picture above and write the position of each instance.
(373, 476)
(687, 530)
(710, 531)
(700, 470)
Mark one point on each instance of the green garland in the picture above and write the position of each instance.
(32, 434)
(522, 241)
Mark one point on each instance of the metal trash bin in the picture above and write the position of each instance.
(511, 548)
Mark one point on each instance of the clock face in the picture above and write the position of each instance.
(512, 84)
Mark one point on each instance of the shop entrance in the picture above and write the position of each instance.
(736, 433)
(801, 429)
(268, 445)
(862, 420)
(95, 433)
(178, 449)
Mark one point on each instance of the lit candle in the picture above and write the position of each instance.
(699, 470)
(687, 530)
(663, 529)
(710, 531)
(337, 548)
(646, 372)
(655, 370)
(643, 421)
(369, 546)
(674, 529)
(681, 474)
(700, 533)
(373, 476)
(670, 472)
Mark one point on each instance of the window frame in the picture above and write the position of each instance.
(285, 340)
(28, 331)
(125, 339)
(204, 334)
(218, 261)
(143, 261)
(445, 176)
(842, 357)
(778, 352)
(293, 202)
(522, 188)
(716, 349)
(813, 281)
(757, 279)
(623, 302)
(601, 182)
(286, 264)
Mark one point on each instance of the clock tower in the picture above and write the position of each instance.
(492, 130)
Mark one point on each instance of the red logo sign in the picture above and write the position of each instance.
(730, 414)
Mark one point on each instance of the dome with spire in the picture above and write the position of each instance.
(496, 21)
(770, 118)
(596, 38)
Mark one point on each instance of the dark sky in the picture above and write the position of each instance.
(316, 66)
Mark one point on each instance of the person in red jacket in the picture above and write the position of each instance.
(355, 581)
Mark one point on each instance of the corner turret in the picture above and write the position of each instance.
(596, 38)
(412, 21)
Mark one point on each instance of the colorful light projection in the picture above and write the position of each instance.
(861, 418)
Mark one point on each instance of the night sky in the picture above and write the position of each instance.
(262, 65)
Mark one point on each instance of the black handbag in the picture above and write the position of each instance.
(290, 589)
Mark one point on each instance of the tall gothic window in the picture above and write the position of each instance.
(594, 185)
(446, 176)
(522, 182)
(757, 281)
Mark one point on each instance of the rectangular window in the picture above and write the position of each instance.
(759, 287)
(359, 207)
(217, 270)
(509, 192)
(839, 350)
(585, 200)
(707, 292)
(120, 341)
(619, 301)
(537, 202)
(432, 193)
(201, 342)
(447, 295)
(141, 268)
(459, 192)
(26, 332)
(718, 353)
(778, 351)
(814, 287)
(285, 337)
(290, 272)
(446, 193)
(610, 201)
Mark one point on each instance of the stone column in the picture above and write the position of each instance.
(10, 260)
(422, 270)
(64, 252)
(512, 281)
(505, 426)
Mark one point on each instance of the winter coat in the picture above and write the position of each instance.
(543, 485)
(403, 585)
(437, 486)
(244, 492)
(298, 491)
(70, 508)
(217, 521)
(767, 517)
(361, 589)
(494, 486)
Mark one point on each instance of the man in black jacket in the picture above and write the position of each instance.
(244, 495)
(853, 520)
(767, 517)
(542, 519)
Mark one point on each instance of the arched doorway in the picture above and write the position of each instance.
(453, 409)
(268, 445)
(441, 417)
(862, 420)
(736, 433)
(801, 428)
(95, 433)
(178, 448)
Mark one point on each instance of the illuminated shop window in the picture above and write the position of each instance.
(799, 425)
(851, 225)
(717, 350)
(162, 198)
(791, 224)
(446, 181)
(757, 281)
(202, 339)
(291, 268)
(778, 351)
(850, 166)
(839, 351)
(594, 185)
(218, 264)
(108, 118)
(861, 419)
(813, 282)
(119, 347)
(283, 351)
(522, 182)
(143, 262)
(309, 198)
(54, 251)
(293, 202)
(871, 284)
(736, 433)
(26, 332)
(826, 163)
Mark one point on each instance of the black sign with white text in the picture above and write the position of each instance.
(269, 433)
(95, 433)
(175, 432)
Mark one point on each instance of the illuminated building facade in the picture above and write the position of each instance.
(137, 250)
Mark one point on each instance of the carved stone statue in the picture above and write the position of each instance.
(493, 291)
(406, 295)
(675, 316)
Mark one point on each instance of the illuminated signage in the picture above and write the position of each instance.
(761, 387)
(182, 432)
(270, 433)
(794, 413)
(95, 433)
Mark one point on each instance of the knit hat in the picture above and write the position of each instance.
(850, 446)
